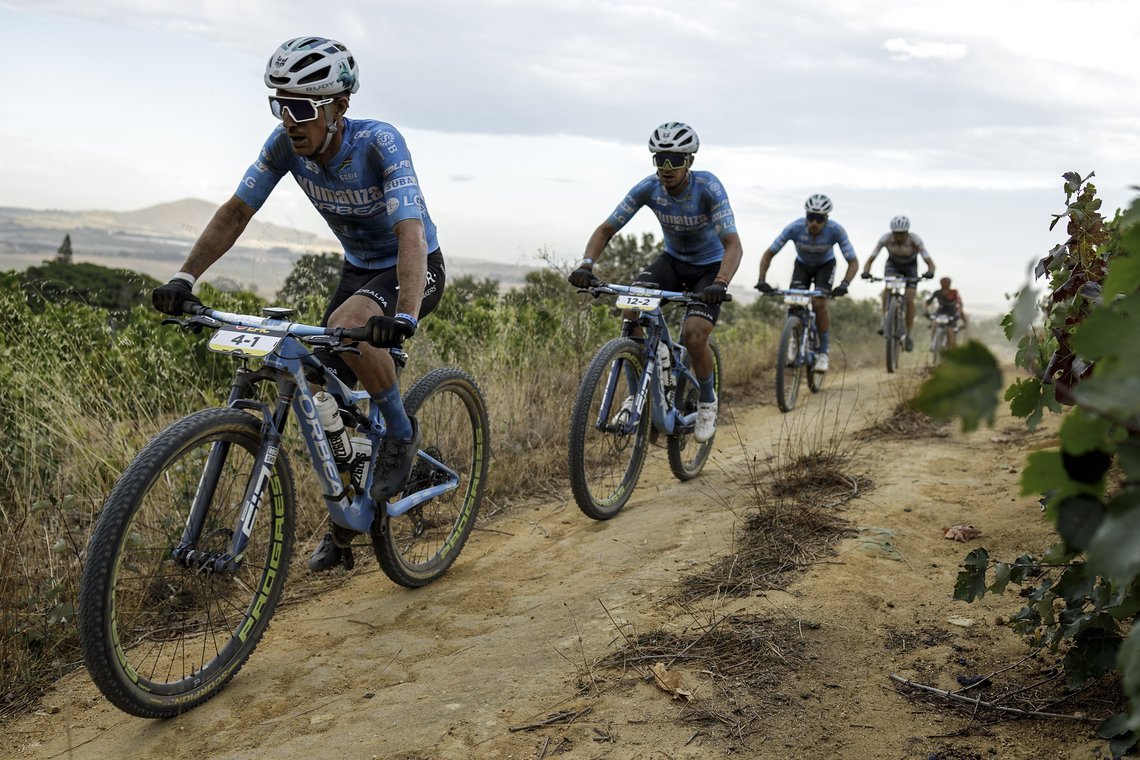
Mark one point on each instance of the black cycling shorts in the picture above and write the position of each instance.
(382, 286)
(668, 273)
(803, 275)
(909, 271)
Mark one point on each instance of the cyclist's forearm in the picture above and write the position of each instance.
(870, 261)
(733, 252)
(598, 241)
(852, 270)
(411, 266)
(222, 231)
(765, 262)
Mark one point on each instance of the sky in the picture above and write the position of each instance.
(528, 121)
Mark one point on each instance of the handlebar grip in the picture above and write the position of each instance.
(359, 334)
(193, 308)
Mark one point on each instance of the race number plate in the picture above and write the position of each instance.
(640, 303)
(243, 343)
(797, 300)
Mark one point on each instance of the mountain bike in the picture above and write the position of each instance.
(894, 317)
(940, 326)
(799, 346)
(190, 553)
(634, 390)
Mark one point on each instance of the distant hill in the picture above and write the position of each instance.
(156, 239)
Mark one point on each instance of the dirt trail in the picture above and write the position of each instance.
(368, 670)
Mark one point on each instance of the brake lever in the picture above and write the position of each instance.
(345, 349)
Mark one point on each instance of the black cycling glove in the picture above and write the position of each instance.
(583, 277)
(839, 290)
(763, 287)
(389, 332)
(714, 294)
(168, 298)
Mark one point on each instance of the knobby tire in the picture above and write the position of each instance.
(605, 464)
(687, 457)
(418, 547)
(158, 637)
(788, 363)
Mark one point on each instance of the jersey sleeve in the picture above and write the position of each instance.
(920, 247)
(845, 246)
(783, 238)
(403, 198)
(719, 209)
(634, 200)
(264, 173)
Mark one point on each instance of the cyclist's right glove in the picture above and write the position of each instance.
(839, 290)
(168, 298)
(763, 287)
(583, 277)
(389, 332)
(867, 276)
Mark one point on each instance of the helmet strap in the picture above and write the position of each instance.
(330, 129)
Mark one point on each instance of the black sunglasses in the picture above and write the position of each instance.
(670, 160)
(821, 218)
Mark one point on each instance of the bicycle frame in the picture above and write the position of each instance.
(805, 311)
(286, 365)
(664, 414)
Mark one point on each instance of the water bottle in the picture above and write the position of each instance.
(361, 453)
(331, 421)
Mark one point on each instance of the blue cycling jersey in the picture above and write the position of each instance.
(367, 187)
(692, 225)
(817, 249)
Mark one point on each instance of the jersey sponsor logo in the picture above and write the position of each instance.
(399, 182)
(404, 164)
(345, 164)
(342, 197)
(683, 220)
(249, 182)
(661, 201)
(349, 177)
(387, 141)
(715, 187)
(721, 214)
(393, 204)
(627, 207)
(260, 167)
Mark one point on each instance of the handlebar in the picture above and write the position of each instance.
(333, 337)
(817, 293)
(600, 289)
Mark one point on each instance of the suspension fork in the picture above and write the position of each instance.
(270, 441)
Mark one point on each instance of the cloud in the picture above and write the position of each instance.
(901, 50)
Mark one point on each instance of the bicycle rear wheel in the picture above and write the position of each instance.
(159, 635)
(687, 457)
(894, 333)
(417, 547)
(788, 363)
(605, 455)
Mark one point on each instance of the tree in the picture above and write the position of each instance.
(63, 254)
(314, 276)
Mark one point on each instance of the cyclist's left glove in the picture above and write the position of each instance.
(928, 275)
(839, 290)
(583, 277)
(169, 298)
(713, 294)
(389, 332)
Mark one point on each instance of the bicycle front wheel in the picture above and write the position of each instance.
(937, 344)
(687, 457)
(161, 635)
(605, 455)
(894, 333)
(788, 363)
(417, 547)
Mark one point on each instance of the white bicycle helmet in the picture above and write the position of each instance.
(818, 204)
(674, 137)
(314, 66)
(900, 224)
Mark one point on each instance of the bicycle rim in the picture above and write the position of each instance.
(894, 335)
(687, 457)
(159, 637)
(417, 547)
(788, 364)
(605, 460)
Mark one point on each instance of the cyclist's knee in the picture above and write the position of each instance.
(354, 312)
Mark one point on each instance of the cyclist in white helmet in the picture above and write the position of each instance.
(702, 248)
(358, 174)
(903, 249)
(815, 236)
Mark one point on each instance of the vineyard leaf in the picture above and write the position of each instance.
(966, 383)
(971, 583)
(1128, 458)
(1124, 271)
(1109, 553)
(1024, 309)
(1092, 654)
(1117, 395)
(1100, 333)
(1082, 432)
(1002, 572)
(1078, 518)
(1128, 660)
